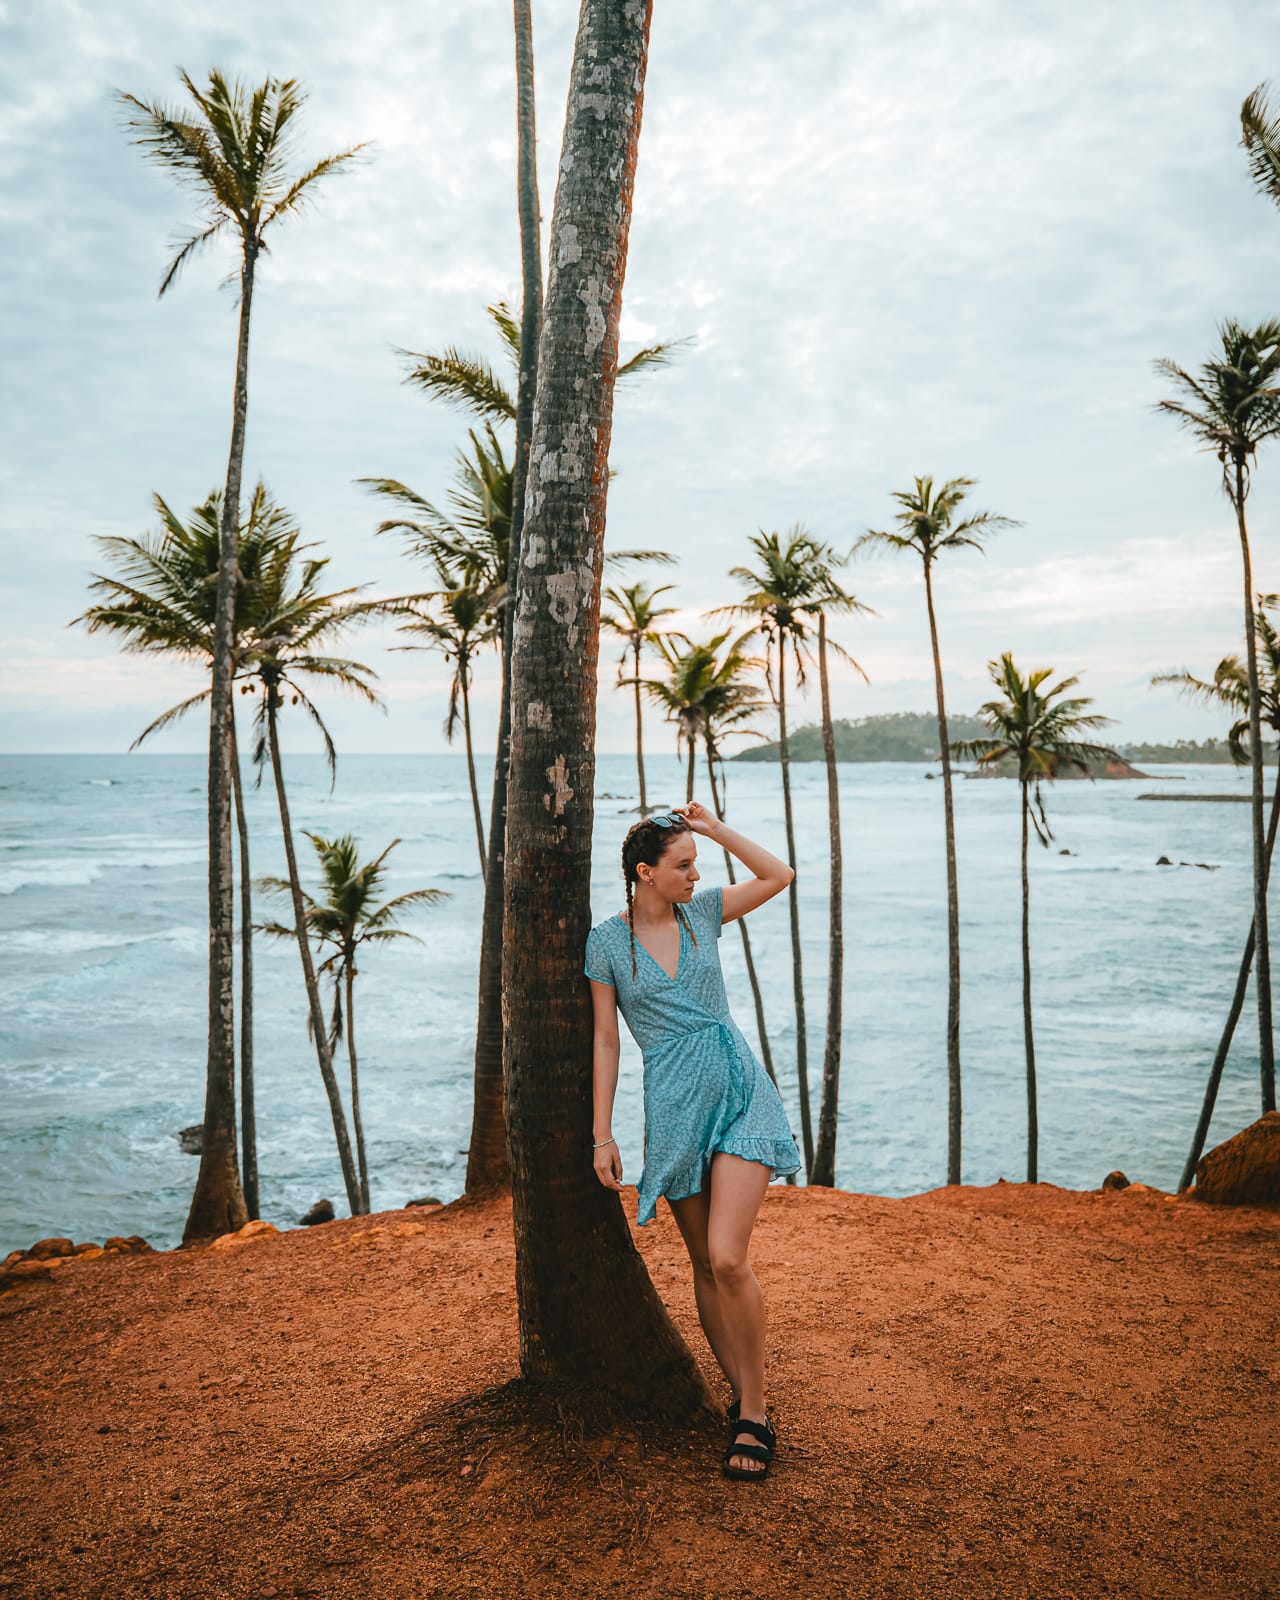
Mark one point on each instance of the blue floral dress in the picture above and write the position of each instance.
(704, 1090)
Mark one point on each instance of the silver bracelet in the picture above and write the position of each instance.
(602, 1144)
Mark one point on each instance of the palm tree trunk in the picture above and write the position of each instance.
(589, 1314)
(644, 801)
(487, 1167)
(218, 1204)
(793, 899)
(248, 1118)
(823, 1170)
(318, 1030)
(1233, 1016)
(693, 755)
(766, 1054)
(349, 978)
(471, 763)
(953, 904)
(1262, 934)
(1033, 1124)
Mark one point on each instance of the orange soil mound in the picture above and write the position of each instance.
(979, 1392)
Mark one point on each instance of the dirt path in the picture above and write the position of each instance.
(995, 1392)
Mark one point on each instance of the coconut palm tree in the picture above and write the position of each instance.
(787, 577)
(1229, 689)
(830, 598)
(232, 145)
(346, 920)
(296, 620)
(928, 526)
(1042, 738)
(1232, 408)
(161, 600)
(588, 1311)
(635, 611)
(465, 625)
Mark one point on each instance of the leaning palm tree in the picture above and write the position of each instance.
(1232, 407)
(344, 921)
(464, 625)
(1040, 738)
(296, 619)
(787, 577)
(928, 526)
(232, 146)
(161, 600)
(634, 614)
(1229, 689)
(831, 599)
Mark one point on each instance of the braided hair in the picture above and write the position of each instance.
(646, 842)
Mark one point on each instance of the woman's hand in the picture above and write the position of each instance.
(608, 1165)
(699, 818)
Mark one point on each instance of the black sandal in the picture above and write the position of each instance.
(733, 1410)
(758, 1452)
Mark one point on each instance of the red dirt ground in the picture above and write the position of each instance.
(997, 1392)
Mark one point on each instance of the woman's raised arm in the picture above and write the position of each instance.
(770, 876)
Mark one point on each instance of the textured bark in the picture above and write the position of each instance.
(793, 902)
(319, 1032)
(1233, 1017)
(589, 1313)
(218, 1205)
(248, 1116)
(1033, 1118)
(487, 1168)
(1261, 931)
(823, 1168)
(349, 980)
(953, 904)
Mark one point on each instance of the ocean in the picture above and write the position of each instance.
(103, 978)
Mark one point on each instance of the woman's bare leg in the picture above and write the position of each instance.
(737, 1188)
(691, 1216)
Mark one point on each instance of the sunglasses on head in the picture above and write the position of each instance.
(666, 819)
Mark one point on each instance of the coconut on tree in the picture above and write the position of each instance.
(346, 920)
(1228, 690)
(232, 145)
(1232, 406)
(1039, 734)
(930, 526)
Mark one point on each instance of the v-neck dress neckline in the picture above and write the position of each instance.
(679, 954)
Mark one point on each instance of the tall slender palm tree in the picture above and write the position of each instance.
(1229, 689)
(929, 527)
(633, 618)
(786, 577)
(1232, 408)
(232, 146)
(346, 920)
(831, 599)
(296, 621)
(588, 1311)
(1041, 738)
(161, 600)
(464, 626)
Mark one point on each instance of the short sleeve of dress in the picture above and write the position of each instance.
(707, 907)
(597, 966)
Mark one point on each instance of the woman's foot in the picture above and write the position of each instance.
(750, 1448)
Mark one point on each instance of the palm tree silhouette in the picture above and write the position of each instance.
(634, 614)
(346, 920)
(232, 146)
(1229, 689)
(929, 527)
(161, 600)
(1041, 738)
(1232, 408)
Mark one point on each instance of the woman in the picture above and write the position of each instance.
(715, 1127)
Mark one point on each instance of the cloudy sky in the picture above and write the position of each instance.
(927, 236)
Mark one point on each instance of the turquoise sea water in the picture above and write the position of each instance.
(103, 953)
